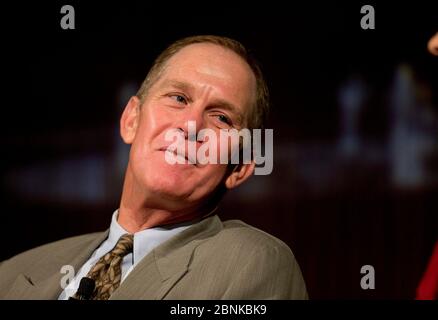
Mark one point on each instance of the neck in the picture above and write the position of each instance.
(138, 210)
(134, 220)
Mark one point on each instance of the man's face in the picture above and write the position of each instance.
(204, 83)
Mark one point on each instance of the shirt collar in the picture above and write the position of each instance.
(145, 240)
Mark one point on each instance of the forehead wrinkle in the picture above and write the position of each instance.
(178, 84)
(177, 66)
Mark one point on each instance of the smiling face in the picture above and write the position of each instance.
(202, 82)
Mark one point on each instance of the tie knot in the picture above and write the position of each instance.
(124, 245)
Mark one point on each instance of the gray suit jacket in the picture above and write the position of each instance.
(209, 260)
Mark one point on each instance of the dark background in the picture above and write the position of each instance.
(355, 119)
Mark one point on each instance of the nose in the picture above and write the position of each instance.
(192, 123)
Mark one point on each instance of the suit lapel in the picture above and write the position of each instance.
(25, 288)
(152, 278)
(161, 269)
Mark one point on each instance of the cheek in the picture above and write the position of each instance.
(136, 159)
(148, 129)
(139, 146)
(211, 176)
(228, 148)
(141, 150)
(219, 149)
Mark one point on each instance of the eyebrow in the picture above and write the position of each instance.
(185, 86)
(219, 103)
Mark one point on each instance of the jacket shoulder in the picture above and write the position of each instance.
(63, 244)
(249, 237)
(44, 254)
(243, 262)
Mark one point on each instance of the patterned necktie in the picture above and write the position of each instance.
(107, 271)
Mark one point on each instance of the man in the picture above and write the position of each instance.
(165, 242)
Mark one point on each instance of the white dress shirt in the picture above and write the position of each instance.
(144, 242)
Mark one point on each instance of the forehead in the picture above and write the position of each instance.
(216, 69)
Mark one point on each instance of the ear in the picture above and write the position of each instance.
(129, 120)
(240, 174)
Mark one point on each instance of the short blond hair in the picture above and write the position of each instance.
(259, 111)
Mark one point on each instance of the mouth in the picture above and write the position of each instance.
(187, 160)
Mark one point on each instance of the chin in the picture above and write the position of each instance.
(169, 183)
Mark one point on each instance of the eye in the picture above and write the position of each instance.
(178, 98)
(224, 119)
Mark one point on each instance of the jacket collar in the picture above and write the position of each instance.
(160, 270)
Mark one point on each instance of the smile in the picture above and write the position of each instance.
(176, 157)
